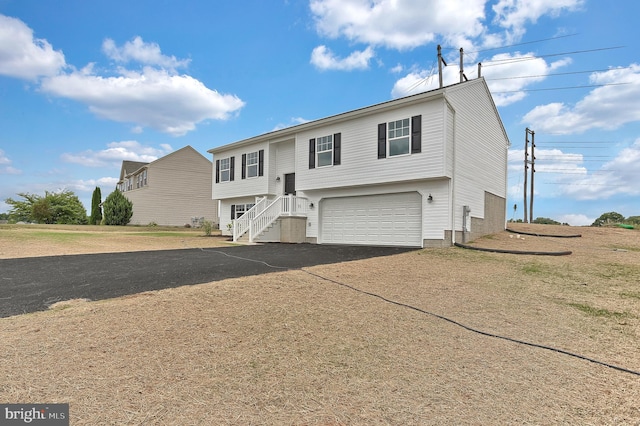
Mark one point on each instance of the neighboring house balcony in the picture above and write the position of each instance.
(287, 211)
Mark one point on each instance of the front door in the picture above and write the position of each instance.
(290, 184)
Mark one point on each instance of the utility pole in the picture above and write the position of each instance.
(440, 62)
(533, 171)
(528, 161)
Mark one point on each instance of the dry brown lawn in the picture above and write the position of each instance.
(321, 346)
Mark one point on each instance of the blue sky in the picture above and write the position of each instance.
(85, 85)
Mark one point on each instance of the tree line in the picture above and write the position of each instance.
(64, 207)
(605, 219)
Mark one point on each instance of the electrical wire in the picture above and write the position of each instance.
(564, 88)
(441, 317)
(495, 62)
(554, 74)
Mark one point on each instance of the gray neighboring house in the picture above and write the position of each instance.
(174, 190)
(425, 170)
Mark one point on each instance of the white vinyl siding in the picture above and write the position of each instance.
(359, 162)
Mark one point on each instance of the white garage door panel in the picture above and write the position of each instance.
(389, 219)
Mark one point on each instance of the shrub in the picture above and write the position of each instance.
(117, 209)
(207, 226)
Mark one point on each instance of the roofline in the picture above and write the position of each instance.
(282, 133)
(146, 166)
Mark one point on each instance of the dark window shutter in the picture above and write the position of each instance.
(312, 153)
(416, 134)
(217, 171)
(232, 173)
(244, 166)
(261, 162)
(337, 138)
(382, 140)
(233, 211)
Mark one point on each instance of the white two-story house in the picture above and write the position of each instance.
(426, 170)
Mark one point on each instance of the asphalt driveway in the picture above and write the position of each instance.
(33, 284)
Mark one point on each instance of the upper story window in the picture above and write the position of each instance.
(253, 164)
(224, 169)
(325, 151)
(400, 137)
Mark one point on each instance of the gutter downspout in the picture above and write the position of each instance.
(452, 191)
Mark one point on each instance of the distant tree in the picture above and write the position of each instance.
(96, 210)
(546, 221)
(62, 207)
(633, 220)
(608, 218)
(117, 209)
(4, 216)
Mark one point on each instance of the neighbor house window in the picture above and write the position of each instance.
(144, 177)
(400, 137)
(325, 151)
(224, 170)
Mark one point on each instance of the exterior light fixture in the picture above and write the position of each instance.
(430, 198)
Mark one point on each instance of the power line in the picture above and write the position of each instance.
(530, 58)
(516, 44)
(555, 74)
(564, 88)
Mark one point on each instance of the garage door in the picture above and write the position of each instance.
(388, 219)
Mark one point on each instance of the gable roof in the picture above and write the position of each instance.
(132, 167)
(394, 103)
(128, 167)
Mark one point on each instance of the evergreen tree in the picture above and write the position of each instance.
(96, 210)
(117, 209)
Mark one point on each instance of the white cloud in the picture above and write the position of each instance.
(576, 219)
(139, 51)
(293, 122)
(513, 15)
(607, 107)
(22, 55)
(5, 165)
(563, 175)
(324, 59)
(172, 104)
(398, 24)
(502, 72)
(88, 185)
(616, 177)
(116, 152)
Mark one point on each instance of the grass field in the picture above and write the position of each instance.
(430, 337)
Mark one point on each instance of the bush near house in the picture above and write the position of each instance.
(117, 209)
